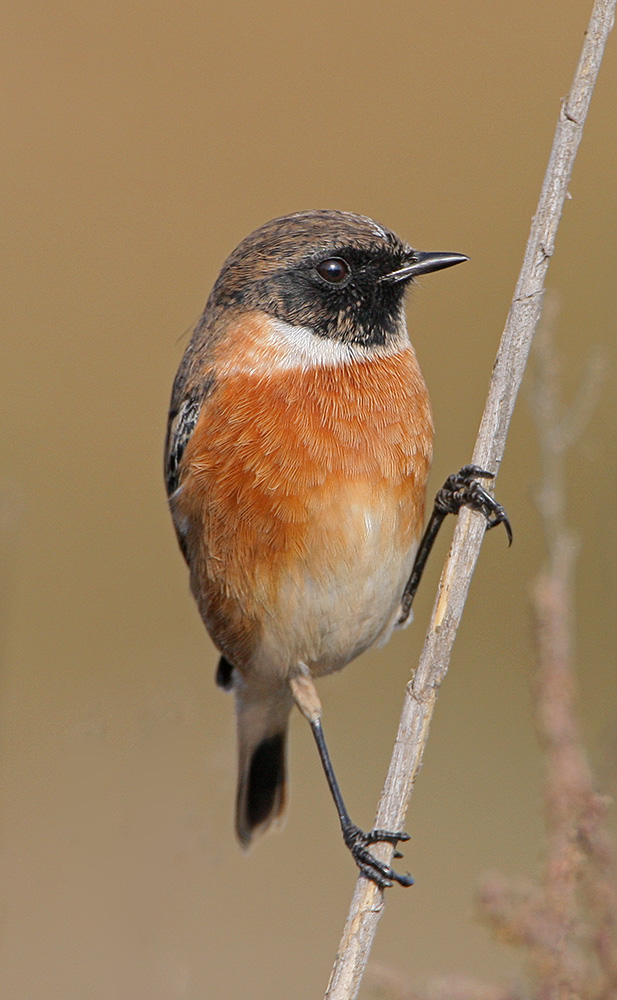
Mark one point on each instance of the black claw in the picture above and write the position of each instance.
(459, 490)
(500, 517)
(379, 836)
(463, 490)
(405, 880)
(469, 472)
(377, 871)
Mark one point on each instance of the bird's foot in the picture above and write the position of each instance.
(462, 489)
(377, 871)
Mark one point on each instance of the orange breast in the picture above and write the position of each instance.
(271, 461)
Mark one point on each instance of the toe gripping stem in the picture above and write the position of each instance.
(356, 839)
(377, 871)
(461, 489)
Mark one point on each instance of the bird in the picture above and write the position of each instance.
(298, 448)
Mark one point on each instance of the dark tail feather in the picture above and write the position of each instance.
(261, 795)
(262, 745)
(224, 672)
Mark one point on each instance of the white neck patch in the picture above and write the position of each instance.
(286, 346)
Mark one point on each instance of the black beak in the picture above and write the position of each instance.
(424, 263)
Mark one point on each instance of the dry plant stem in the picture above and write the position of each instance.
(560, 968)
(392, 986)
(579, 851)
(368, 901)
(568, 923)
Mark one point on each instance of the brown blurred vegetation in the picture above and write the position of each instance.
(565, 922)
(141, 142)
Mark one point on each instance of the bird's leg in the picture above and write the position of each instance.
(357, 841)
(461, 489)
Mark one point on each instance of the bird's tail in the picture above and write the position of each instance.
(262, 739)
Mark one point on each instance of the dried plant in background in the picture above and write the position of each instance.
(566, 921)
(368, 900)
(389, 985)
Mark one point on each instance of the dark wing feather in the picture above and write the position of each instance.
(186, 401)
(193, 383)
(180, 427)
(191, 386)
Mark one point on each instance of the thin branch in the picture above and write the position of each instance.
(368, 901)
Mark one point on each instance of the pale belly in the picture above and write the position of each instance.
(344, 595)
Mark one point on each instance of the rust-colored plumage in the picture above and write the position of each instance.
(298, 447)
(275, 459)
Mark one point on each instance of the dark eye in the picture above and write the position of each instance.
(333, 269)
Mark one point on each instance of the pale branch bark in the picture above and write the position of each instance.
(368, 901)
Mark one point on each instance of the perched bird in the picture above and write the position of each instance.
(298, 448)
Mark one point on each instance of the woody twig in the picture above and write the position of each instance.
(421, 693)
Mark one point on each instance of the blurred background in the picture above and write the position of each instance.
(142, 141)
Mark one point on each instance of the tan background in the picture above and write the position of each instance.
(143, 141)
